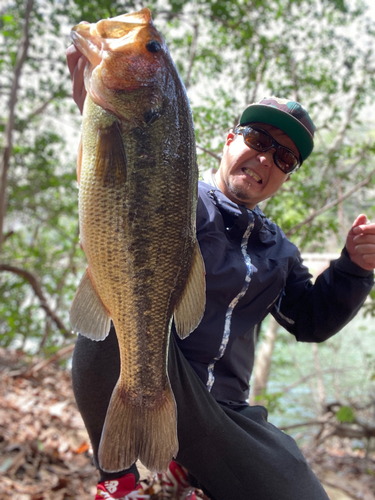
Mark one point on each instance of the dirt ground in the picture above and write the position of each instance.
(45, 452)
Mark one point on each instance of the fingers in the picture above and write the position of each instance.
(369, 259)
(366, 237)
(360, 221)
(365, 246)
(367, 229)
(79, 91)
(76, 63)
(365, 242)
(360, 243)
(72, 56)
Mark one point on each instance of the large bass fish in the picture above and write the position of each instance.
(137, 173)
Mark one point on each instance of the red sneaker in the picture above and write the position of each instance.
(175, 483)
(122, 488)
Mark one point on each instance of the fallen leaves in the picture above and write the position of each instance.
(44, 447)
(45, 452)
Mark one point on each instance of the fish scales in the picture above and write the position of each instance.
(137, 203)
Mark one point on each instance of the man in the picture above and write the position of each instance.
(228, 447)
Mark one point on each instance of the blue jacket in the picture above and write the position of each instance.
(252, 269)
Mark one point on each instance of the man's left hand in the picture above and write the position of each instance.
(360, 243)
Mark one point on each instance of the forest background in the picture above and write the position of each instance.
(229, 54)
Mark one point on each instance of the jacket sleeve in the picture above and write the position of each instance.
(315, 312)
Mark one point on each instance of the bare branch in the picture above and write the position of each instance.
(40, 365)
(7, 235)
(211, 153)
(328, 206)
(64, 351)
(336, 145)
(8, 139)
(293, 67)
(303, 424)
(39, 110)
(258, 79)
(39, 293)
(193, 49)
(305, 378)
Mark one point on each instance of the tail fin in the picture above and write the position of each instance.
(133, 431)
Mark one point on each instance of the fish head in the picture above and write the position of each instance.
(127, 61)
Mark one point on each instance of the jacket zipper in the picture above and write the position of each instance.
(234, 302)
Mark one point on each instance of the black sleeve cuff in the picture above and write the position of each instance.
(345, 264)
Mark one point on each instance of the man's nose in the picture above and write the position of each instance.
(266, 157)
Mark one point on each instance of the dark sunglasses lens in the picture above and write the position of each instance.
(257, 139)
(286, 160)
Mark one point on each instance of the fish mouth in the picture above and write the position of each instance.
(253, 174)
(86, 40)
(109, 34)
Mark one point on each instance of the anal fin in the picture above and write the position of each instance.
(88, 316)
(190, 309)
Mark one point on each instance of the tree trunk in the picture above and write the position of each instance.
(263, 362)
(8, 136)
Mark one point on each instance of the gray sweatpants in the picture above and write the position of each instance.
(229, 453)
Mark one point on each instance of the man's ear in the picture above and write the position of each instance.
(230, 138)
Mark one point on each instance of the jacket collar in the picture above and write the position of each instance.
(234, 214)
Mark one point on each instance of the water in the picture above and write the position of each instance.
(347, 370)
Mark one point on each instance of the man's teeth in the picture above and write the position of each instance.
(253, 175)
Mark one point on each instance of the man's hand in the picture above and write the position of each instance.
(360, 243)
(76, 64)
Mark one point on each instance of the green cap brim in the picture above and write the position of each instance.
(285, 122)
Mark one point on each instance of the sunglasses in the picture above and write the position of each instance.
(260, 140)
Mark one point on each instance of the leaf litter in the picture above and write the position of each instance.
(45, 453)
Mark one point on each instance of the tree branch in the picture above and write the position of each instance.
(305, 378)
(8, 139)
(64, 351)
(336, 145)
(39, 293)
(302, 424)
(39, 110)
(211, 153)
(40, 365)
(258, 79)
(328, 206)
(193, 49)
(293, 67)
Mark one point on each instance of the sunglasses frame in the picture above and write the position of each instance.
(241, 129)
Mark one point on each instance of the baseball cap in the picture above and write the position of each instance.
(289, 116)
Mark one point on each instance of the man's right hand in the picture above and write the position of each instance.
(76, 63)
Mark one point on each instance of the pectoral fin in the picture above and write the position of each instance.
(110, 162)
(189, 311)
(88, 316)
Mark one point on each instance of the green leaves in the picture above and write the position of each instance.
(229, 54)
(345, 414)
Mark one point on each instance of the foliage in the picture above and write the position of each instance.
(229, 54)
(335, 381)
(345, 414)
(270, 400)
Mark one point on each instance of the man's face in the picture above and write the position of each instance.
(247, 176)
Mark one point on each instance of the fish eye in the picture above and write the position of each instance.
(153, 46)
